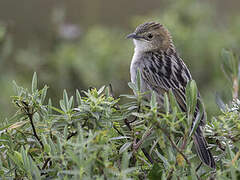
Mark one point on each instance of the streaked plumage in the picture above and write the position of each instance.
(162, 69)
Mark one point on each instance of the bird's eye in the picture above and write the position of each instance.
(150, 36)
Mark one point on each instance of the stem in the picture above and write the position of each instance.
(30, 116)
(174, 145)
(139, 143)
(147, 155)
(45, 163)
(71, 135)
(114, 127)
(143, 149)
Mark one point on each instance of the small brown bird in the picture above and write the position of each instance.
(161, 69)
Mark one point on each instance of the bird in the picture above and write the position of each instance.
(161, 69)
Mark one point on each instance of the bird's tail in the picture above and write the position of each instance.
(201, 146)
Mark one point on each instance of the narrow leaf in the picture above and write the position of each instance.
(138, 80)
(34, 82)
(153, 101)
(166, 102)
(197, 120)
(43, 93)
(101, 90)
(78, 97)
(65, 99)
(125, 147)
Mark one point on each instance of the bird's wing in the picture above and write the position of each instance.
(169, 72)
(165, 73)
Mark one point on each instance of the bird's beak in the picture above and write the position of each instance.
(133, 36)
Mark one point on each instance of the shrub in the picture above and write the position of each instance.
(95, 135)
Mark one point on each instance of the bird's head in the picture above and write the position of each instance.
(151, 36)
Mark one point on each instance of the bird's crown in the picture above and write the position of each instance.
(157, 36)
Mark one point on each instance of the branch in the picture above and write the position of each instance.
(30, 116)
(139, 143)
(34, 130)
(114, 127)
(147, 155)
(71, 135)
(128, 124)
(174, 145)
(45, 163)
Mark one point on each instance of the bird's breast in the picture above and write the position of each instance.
(135, 65)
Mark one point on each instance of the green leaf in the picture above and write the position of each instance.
(26, 163)
(65, 132)
(197, 120)
(128, 96)
(43, 94)
(56, 109)
(59, 146)
(125, 147)
(52, 147)
(16, 157)
(173, 101)
(34, 169)
(155, 172)
(70, 103)
(165, 161)
(194, 92)
(125, 160)
(166, 103)
(101, 90)
(49, 106)
(65, 99)
(138, 80)
(230, 153)
(78, 97)
(62, 105)
(153, 101)
(120, 137)
(34, 82)
(191, 100)
(132, 86)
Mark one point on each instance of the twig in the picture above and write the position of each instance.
(30, 116)
(139, 143)
(174, 145)
(143, 149)
(45, 163)
(198, 167)
(170, 174)
(34, 130)
(71, 135)
(147, 155)
(118, 130)
(128, 124)
(220, 145)
(184, 142)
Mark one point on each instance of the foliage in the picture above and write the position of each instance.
(96, 136)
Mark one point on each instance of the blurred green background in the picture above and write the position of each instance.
(80, 44)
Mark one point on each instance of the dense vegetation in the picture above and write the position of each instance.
(94, 135)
